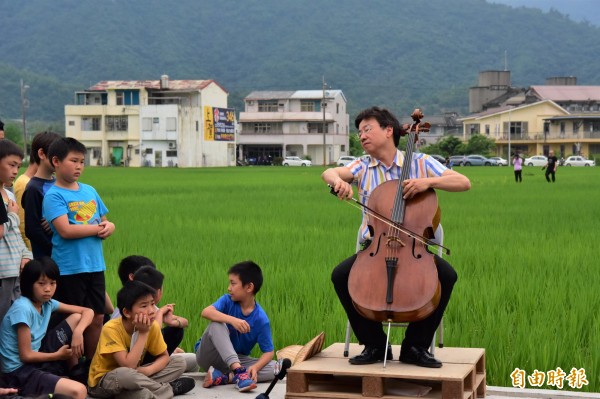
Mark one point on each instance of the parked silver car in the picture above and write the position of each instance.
(457, 160)
(479, 160)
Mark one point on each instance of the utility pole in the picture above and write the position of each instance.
(24, 106)
(323, 107)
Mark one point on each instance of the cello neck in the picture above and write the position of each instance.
(400, 203)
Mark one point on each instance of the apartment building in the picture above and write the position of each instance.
(312, 123)
(559, 116)
(154, 123)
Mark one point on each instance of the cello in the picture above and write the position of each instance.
(395, 278)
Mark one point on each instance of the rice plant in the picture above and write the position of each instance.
(527, 288)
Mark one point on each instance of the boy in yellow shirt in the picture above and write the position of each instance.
(117, 364)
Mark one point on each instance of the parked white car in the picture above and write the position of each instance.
(536, 160)
(296, 161)
(501, 161)
(345, 160)
(576, 160)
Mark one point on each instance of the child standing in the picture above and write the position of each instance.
(27, 350)
(36, 229)
(19, 189)
(13, 252)
(117, 364)
(238, 323)
(78, 220)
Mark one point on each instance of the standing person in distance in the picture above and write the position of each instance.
(551, 166)
(517, 162)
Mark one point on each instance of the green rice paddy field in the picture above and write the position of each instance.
(526, 254)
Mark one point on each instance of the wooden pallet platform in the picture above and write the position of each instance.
(328, 375)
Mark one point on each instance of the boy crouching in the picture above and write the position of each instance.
(116, 366)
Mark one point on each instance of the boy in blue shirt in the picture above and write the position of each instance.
(77, 217)
(238, 323)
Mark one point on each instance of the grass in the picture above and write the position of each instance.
(528, 281)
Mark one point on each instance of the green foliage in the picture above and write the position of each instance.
(14, 133)
(355, 147)
(278, 161)
(479, 144)
(449, 145)
(404, 53)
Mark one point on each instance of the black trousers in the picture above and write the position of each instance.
(518, 177)
(369, 332)
(550, 171)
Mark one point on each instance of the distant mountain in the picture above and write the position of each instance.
(396, 53)
(577, 10)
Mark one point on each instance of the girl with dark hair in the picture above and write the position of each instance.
(33, 358)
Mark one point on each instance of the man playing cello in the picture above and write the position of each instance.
(379, 132)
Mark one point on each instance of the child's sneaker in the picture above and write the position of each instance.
(242, 380)
(182, 385)
(214, 377)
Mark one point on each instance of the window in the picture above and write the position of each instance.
(171, 153)
(487, 130)
(337, 108)
(71, 123)
(267, 106)
(307, 106)
(263, 127)
(317, 127)
(128, 97)
(116, 123)
(90, 123)
(147, 124)
(171, 124)
(516, 128)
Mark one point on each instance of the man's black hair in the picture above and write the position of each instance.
(63, 146)
(384, 117)
(33, 270)
(248, 272)
(130, 264)
(131, 293)
(150, 276)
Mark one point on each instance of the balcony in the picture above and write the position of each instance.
(284, 116)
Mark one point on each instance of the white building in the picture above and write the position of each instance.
(303, 122)
(184, 123)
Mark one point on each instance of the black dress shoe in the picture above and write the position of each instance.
(371, 355)
(418, 356)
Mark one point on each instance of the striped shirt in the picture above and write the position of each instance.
(12, 247)
(370, 172)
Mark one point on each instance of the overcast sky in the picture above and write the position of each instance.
(578, 10)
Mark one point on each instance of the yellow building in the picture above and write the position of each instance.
(560, 117)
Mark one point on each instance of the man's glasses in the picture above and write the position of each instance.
(366, 130)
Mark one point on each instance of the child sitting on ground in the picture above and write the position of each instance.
(238, 322)
(174, 325)
(27, 350)
(117, 366)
